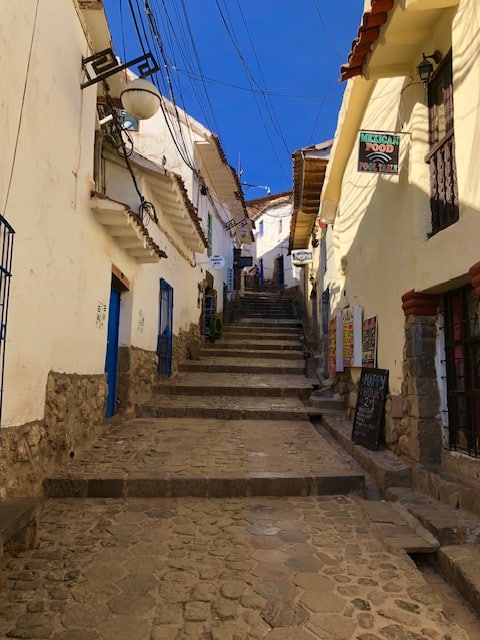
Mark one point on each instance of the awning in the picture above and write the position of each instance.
(309, 168)
(176, 206)
(126, 228)
(224, 181)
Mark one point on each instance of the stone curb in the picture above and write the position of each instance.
(385, 468)
(460, 566)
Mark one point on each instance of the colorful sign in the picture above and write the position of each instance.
(335, 344)
(348, 337)
(378, 152)
(369, 343)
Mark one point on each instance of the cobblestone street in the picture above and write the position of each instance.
(222, 569)
(222, 513)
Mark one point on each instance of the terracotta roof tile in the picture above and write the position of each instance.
(368, 33)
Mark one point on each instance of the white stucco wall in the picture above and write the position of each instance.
(154, 141)
(273, 243)
(60, 269)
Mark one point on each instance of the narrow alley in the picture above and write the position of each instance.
(226, 510)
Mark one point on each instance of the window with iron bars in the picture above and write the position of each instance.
(462, 354)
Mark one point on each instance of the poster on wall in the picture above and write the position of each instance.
(378, 152)
(335, 344)
(347, 318)
(369, 343)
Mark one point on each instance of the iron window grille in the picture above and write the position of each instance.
(441, 157)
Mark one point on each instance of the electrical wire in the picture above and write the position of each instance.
(278, 94)
(22, 106)
(251, 81)
(329, 37)
(197, 58)
(177, 40)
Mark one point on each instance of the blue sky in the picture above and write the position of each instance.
(262, 74)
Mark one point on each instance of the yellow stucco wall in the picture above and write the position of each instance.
(380, 233)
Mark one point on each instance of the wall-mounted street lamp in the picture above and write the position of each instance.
(140, 98)
(425, 68)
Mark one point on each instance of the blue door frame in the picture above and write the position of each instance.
(165, 333)
(111, 358)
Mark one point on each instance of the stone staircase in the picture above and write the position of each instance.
(256, 370)
(233, 422)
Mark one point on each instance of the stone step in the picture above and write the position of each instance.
(267, 315)
(206, 458)
(398, 529)
(263, 328)
(264, 305)
(18, 524)
(241, 365)
(287, 323)
(212, 487)
(447, 524)
(232, 344)
(272, 323)
(239, 384)
(276, 337)
(323, 402)
(222, 407)
(245, 352)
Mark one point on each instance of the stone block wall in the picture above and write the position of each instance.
(137, 372)
(74, 416)
(182, 345)
(413, 427)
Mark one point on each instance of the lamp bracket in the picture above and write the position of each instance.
(102, 65)
(436, 56)
(231, 223)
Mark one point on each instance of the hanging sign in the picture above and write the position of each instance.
(216, 261)
(302, 256)
(378, 152)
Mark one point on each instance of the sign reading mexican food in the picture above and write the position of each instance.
(378, 152)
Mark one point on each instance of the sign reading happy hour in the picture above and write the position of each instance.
(378, 152)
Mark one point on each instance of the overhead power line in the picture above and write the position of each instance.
(278, 94)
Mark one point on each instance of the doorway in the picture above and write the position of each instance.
(111, 357)
(165, 333)
(280, 269)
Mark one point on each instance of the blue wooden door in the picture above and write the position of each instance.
(111, 358)
(165, 334)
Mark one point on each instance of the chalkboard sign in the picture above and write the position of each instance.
(370, 409)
